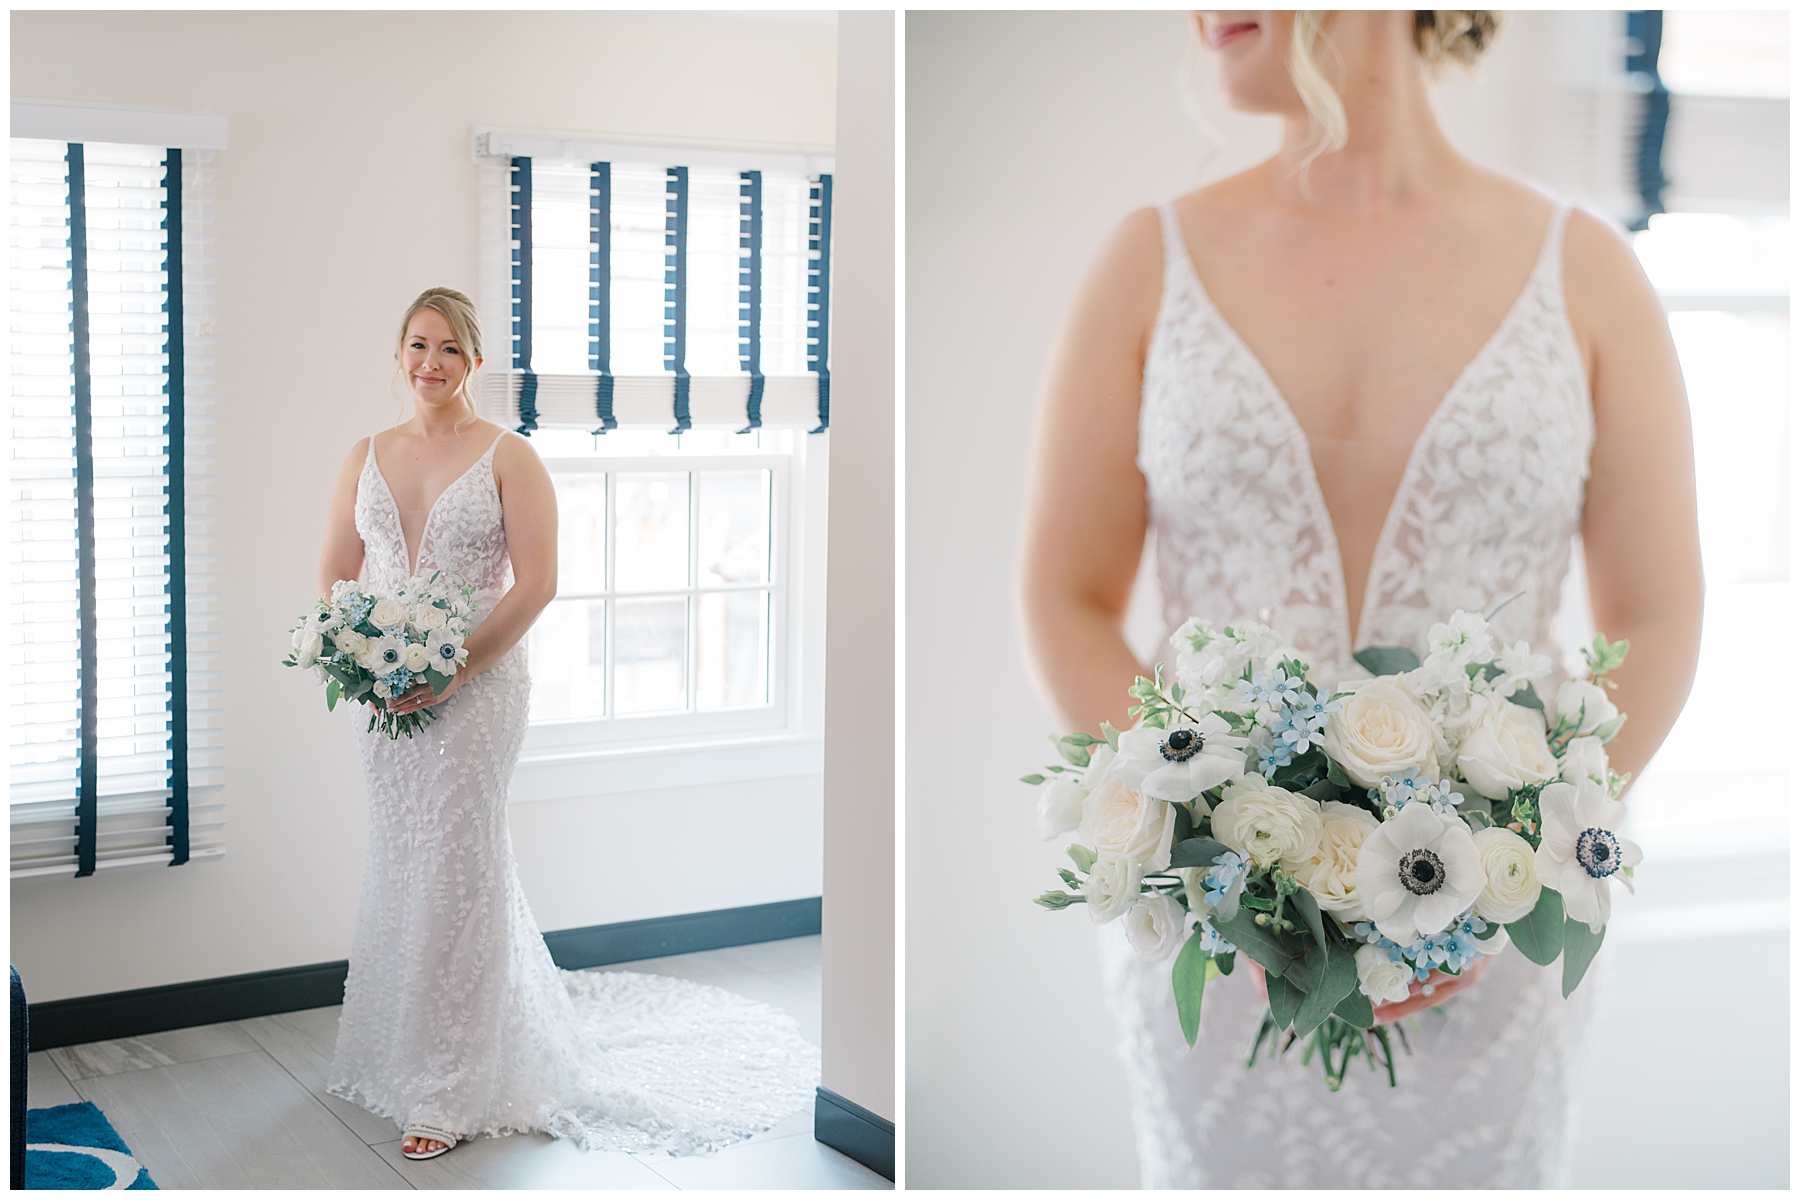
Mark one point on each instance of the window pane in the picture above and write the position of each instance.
(560, 249)
(733, 653)
(568, 661)
(734, 527)
(580, 534)
(639, 244)
(715, 257)
(650, 656)
(652, 531)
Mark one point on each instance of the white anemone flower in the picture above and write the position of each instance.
(389, 654)
(1417, 873)
(1180, 762)
(445, 651)
(1581, 852)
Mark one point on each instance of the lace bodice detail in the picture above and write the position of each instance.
(1487, 505)
(464, 535)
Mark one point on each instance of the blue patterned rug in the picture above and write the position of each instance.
(73, 1147)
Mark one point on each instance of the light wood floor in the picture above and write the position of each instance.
(242, 1104)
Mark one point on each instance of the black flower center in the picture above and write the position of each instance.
(1183, 744)
(1421, 872)
(1597, 850)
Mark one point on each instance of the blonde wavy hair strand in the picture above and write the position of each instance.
(465, 328)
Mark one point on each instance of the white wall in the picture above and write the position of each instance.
(859, 1000)
(1028, 136)
(348, 188)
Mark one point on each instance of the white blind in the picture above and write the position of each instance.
(132, 692)
(717, 254)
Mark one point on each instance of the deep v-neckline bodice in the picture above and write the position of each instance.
(1355, 634)
(413, 554)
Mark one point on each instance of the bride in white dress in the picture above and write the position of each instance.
(1350, 390)
(456, 1023)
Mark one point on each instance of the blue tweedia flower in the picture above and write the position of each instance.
(1399, 791)
(1443, 801)
(1367, 932)
(1293, 727)
(1470, 924)
(399, 681)
(1460, 949)
(1275, 690)
(1228, 867)
(1211, 942)
(359, 611)
(1278, 755)
(1316, 709)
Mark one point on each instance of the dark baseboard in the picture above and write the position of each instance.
(82, 1019)
(853, 1130)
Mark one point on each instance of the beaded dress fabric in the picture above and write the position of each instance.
(1487, 506)
(454, 1014)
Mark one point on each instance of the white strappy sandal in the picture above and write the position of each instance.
(424, 1133)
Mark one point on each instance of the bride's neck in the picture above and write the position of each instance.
(1396, 150)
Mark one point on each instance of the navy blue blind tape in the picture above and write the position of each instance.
(750, 286)
(176, 509)
(818, 280)
(87, 778)
(521, 275)
(600, 293)
(675, 227)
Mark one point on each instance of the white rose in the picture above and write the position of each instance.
(1383, 980)
(1381, 729)
(1584, 758)
(428, 617)
(383, 690)
(1505, 749)
(1112, 885)
(1059, 806)
(1330, 875)
(387, 613)
(416, 658)
(1117, 819)
(1584, 705)
(1512, 885)
(365, 657)
(307, 645)
(1154, 926)
(1267, 823)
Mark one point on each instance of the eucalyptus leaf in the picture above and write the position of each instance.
(1335, 979)
(1527, 697)
(1264, 948)
(1072, 752)
(1356, 1009)
(1580, 944)
(1195, 852)
(1386, 660)
(1284, 1000)
(1335, 774)
(1033, 780)
(1226, 961)
(1323, 790)
(333, 690)
(1189, 979)
(1539, 933)
(1112, 735)
(1308, 908)
(438, 681)
(1184, 825)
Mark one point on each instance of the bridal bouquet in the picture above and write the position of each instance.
(1360, 844)
(372, 647)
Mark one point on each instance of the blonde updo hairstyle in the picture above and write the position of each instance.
(1440, 37)
(465, 326)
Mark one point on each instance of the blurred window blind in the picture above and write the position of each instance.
(112, 486)
(655, 288)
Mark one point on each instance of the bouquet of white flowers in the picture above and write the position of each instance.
(372, 647)
(1359, 844)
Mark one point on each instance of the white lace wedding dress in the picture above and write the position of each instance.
(454, 1015)
(1488, 503)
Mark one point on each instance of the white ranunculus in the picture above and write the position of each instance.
(1180, 762)
(1512, 885)
(1584, 758)
(307, 645)
(427, 617)
(388, 613)
(1417, 873)
(1383, 980)
(1154, 926)
(1267, 823)
(365, 657)
(1583, 705)
(1505, 749)
(416, 657)
(349, 641)
(1119, 819)
(1581, 852)
(1112, 885)
(1330, 875)
(1381, 729)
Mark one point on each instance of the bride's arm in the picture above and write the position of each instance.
(342, 555)
(1639, 528)
(1086, 514)
(528, 504)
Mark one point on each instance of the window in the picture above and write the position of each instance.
(114, 706)
(669, 358)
